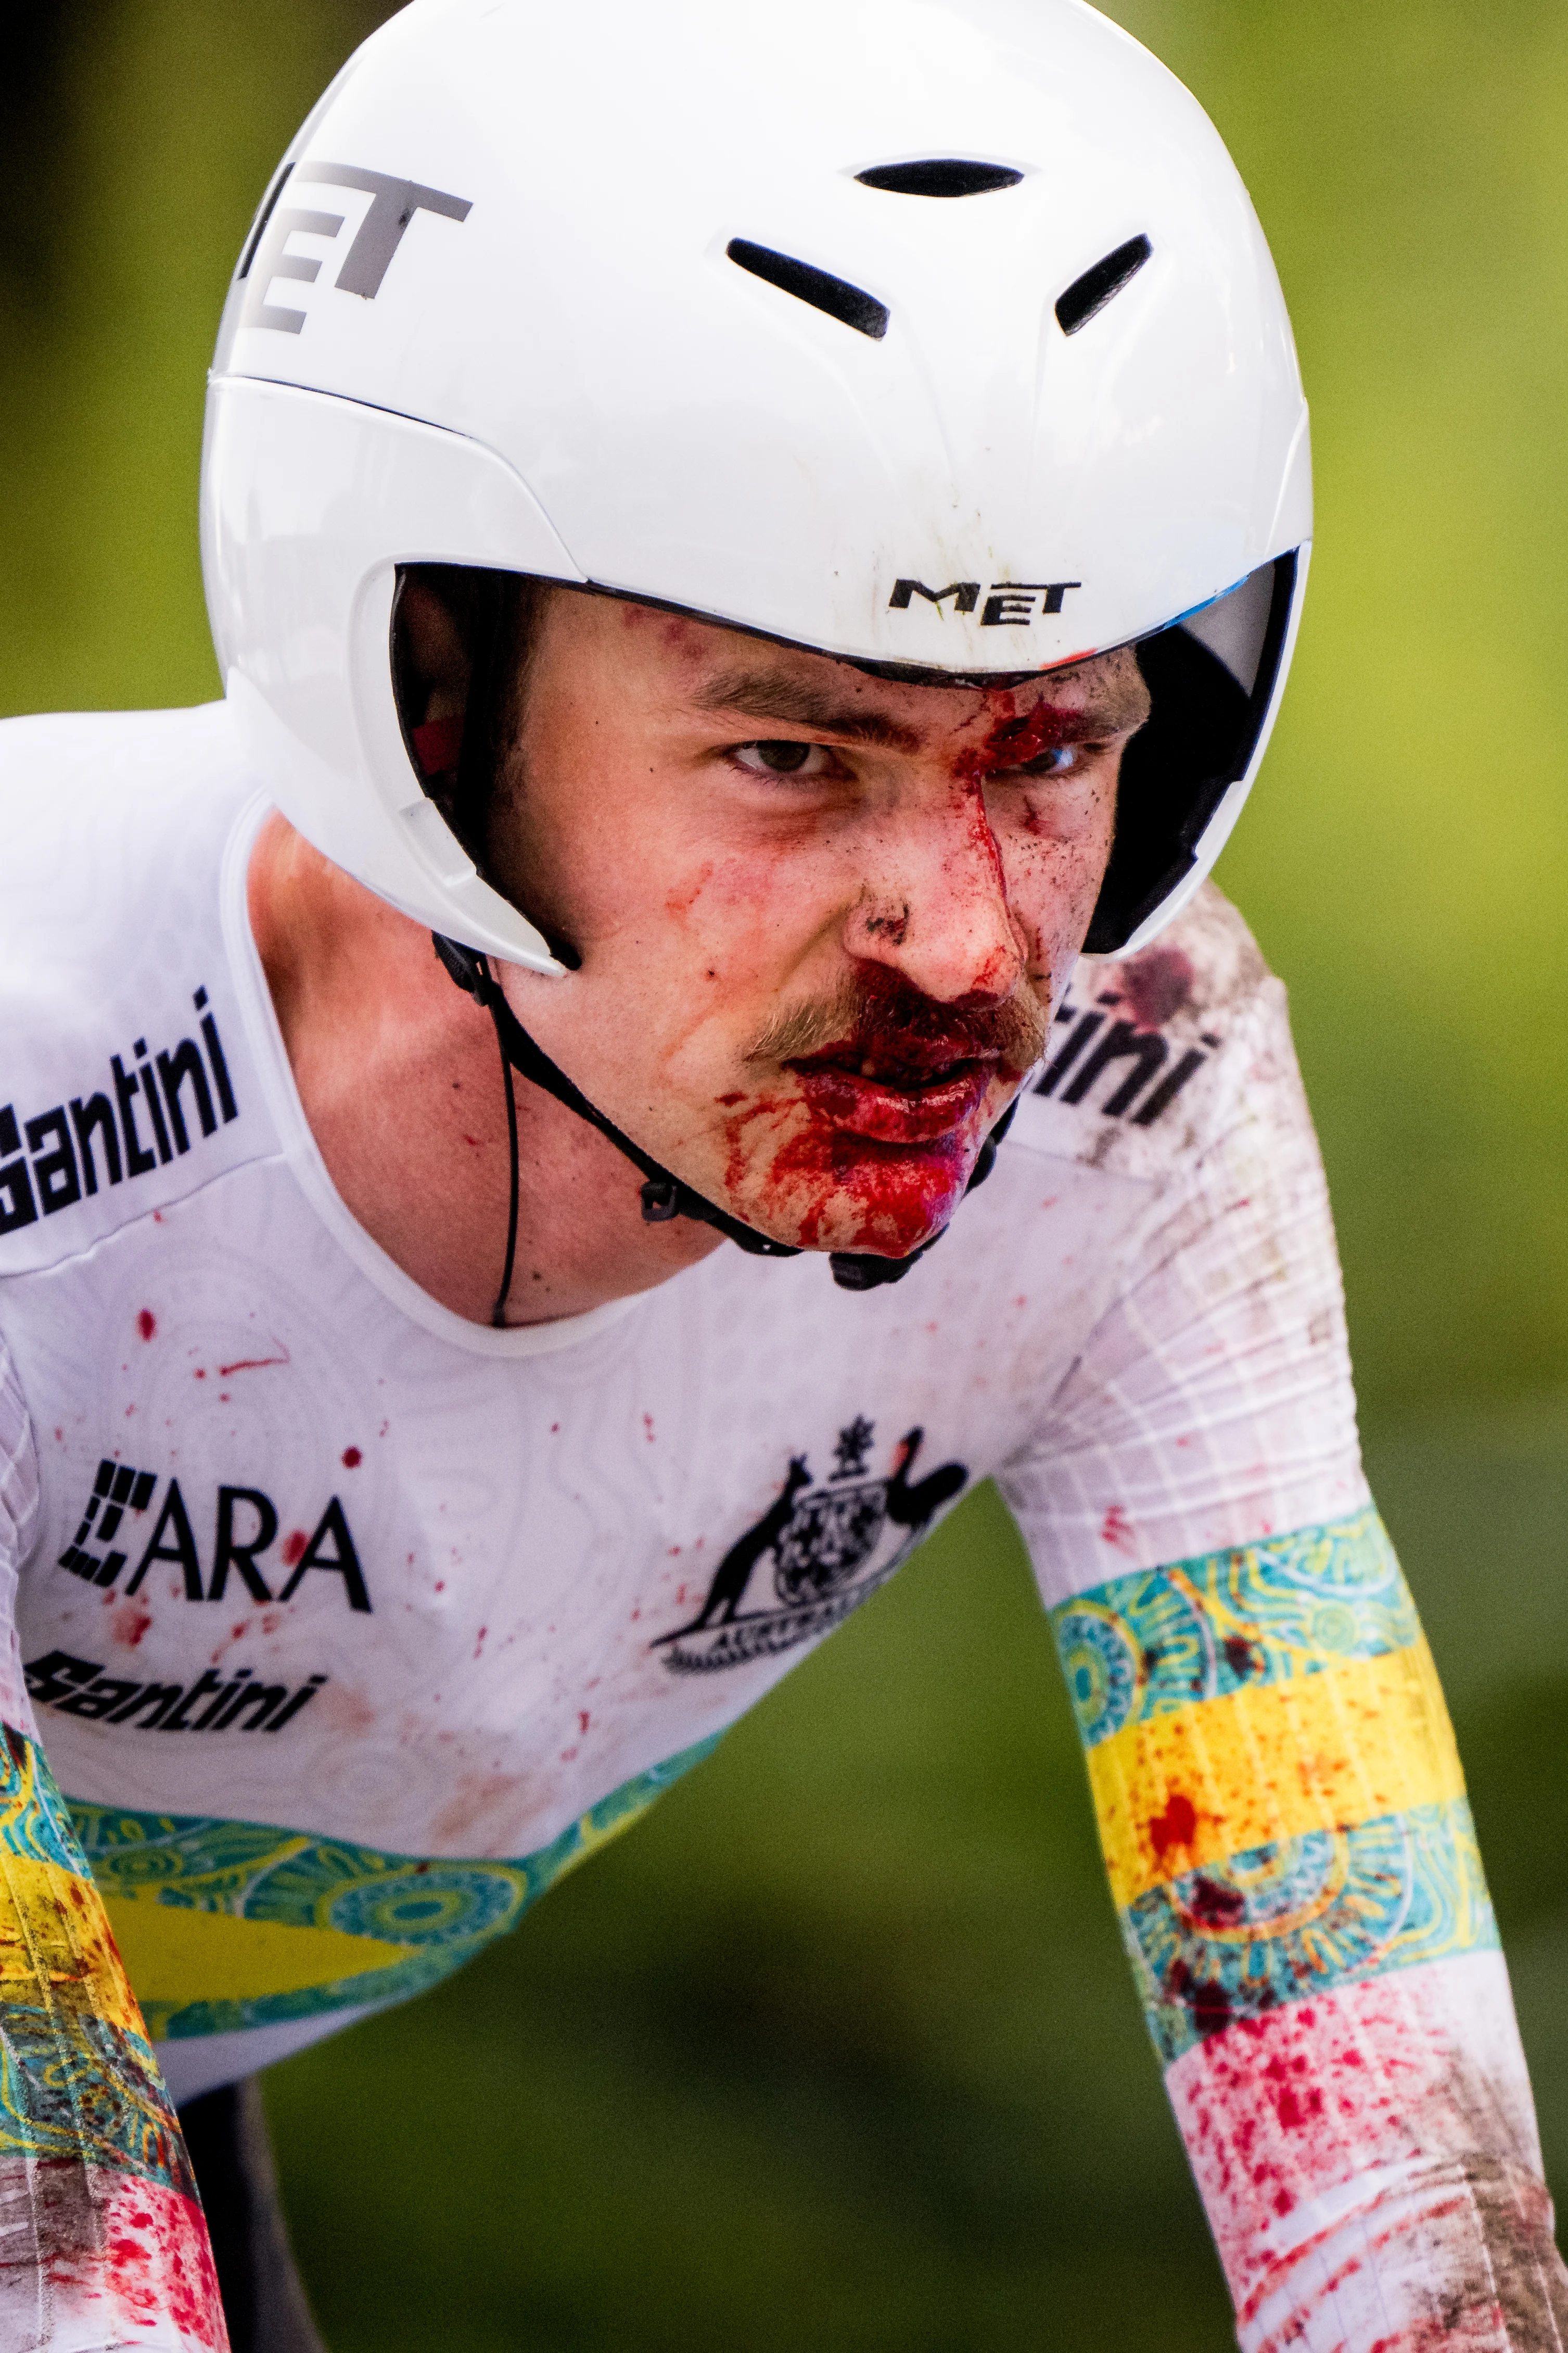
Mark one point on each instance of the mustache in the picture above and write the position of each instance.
(884, 1019)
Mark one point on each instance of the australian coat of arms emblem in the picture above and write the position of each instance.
(830, 1546)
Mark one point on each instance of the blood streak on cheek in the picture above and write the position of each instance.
(680, 902)
(1013, 740)
(990, 975)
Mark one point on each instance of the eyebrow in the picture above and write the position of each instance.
(793, 702)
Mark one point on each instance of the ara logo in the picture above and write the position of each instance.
(116, 1523)
(830, 1547)
(1009, 604)
(379, 231)
(80, 1687)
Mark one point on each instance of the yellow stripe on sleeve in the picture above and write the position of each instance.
(55, 1953)
(1363, 1739)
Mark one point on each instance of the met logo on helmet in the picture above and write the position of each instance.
(1009, 604)
(392, 205)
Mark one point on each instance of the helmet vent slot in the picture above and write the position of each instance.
(940, 175)
(1101, 284)
(850, 304)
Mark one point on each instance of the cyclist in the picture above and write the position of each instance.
(761, 536)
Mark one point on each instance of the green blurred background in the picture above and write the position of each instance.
(838, 2050)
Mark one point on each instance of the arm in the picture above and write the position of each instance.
(1279, 1800)
(103, 2242)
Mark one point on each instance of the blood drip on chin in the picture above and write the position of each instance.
(900, 1194)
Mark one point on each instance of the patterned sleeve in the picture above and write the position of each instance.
(1279, 1800)
(103, 2242)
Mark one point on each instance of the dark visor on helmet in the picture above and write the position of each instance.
(1212, 679)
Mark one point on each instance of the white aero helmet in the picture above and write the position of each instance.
(939, 335)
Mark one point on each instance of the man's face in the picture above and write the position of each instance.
(823, 918)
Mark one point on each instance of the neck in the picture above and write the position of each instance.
(400, 1079)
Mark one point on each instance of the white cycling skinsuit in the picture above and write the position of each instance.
(347, 1626)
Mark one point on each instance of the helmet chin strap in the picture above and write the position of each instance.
(663, 1195)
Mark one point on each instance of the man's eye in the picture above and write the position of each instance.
(783, 759)
(1060, 761)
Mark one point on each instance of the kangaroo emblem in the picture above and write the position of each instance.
(829, 1548)
(735, 1571)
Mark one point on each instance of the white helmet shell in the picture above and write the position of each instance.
(937, 334)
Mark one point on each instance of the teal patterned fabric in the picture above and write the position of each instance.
(1141, 1646)
(89, 2093)
(447, 1911)
(35, 1819)
(1291, 1921)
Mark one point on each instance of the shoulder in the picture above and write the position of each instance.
(118, 1020)
(1154, 1055)
(120, 774)
(113, 827)
(110, 822)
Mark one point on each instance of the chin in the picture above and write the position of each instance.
(882, 1200)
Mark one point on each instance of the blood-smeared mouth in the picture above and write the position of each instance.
(907, 1097)
(894, 1086)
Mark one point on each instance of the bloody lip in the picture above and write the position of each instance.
(907, 1108)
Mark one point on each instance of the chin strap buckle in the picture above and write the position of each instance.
(858, 1270)
(466, 966)
(660, 1202)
